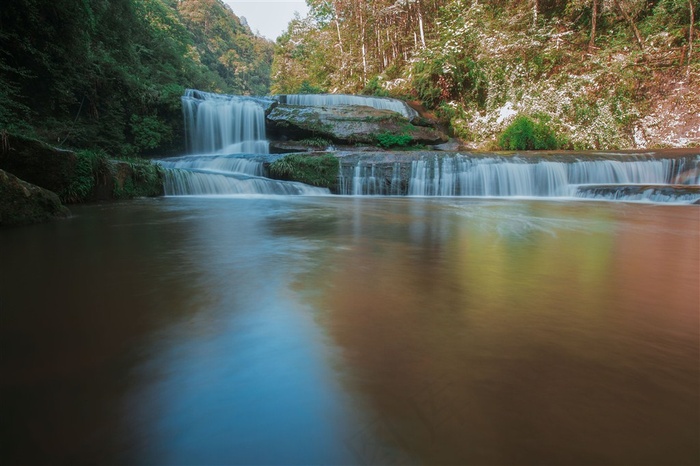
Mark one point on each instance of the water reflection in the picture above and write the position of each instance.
(353, 331)
(520, 333)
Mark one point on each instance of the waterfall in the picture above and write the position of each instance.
(226, 135)
(461, 176)
(639, 193)
(320, 100)
(367, 181)
(226, 174)
(226, 124)
(220, 163)
(531, 177)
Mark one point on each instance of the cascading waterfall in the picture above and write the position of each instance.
(226, 174)
(216, 163)
(224, 124)
(226, 135)
(524, 177)
(228, 146)
(320, 100)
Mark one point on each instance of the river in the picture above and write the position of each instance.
(353, 330)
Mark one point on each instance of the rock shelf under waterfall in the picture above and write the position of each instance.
(229, 155)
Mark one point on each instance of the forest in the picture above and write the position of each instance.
(108, 74)
(577, 74)
(593, 73)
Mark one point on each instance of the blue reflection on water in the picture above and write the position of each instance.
(244, 379)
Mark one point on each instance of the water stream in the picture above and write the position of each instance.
(296, 330)
(472, 311)
(229, 153)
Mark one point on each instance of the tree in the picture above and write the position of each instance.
(630, 21)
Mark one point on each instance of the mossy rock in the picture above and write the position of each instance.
(23, 203)
(315, 169)
(80, 176)
(137, 178)
(347, 124)
(38, 163)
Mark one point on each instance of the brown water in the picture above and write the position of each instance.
(352, 331)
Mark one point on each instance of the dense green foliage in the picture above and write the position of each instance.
(109, 73)
(592, 66)
(524, 133)
(137, 178)
(388, 140)
(316, 170)
(90, 166)
(128, 178)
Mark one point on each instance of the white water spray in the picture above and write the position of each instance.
(523, 177)
(224, 124)
(226, 175)
(227, 134)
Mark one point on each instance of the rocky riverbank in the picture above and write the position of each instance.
(38, 179)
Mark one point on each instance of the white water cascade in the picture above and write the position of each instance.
(524, 177)
(225, 124)
(227, 140)
(321, 100)
(226, 175)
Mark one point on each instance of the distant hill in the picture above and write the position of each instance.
(109, 74)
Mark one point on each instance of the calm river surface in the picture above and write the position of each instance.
(341, 330)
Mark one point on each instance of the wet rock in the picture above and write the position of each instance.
(23, 203)
(38, 163)
(346, 124)
(657, 193)
(450, 146)
(79, 177)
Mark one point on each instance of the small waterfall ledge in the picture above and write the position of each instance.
(321, 100)
(229, 155)
(668, 177)
(227, 141)
(231, 174)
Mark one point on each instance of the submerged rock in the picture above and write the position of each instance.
(23, 203)
(348, 124)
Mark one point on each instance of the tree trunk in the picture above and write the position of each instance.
(364, 50)
(337, 27)
(627, 17)
(594, 24)
(420, 24)
(690, 32)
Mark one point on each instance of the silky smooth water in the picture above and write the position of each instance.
(323, 100)
(350, 330)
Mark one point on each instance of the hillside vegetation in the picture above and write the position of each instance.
(108, 74)
(576, 74)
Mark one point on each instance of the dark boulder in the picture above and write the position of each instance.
(23, 203)
(38, 163)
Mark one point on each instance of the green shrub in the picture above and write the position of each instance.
(375, 88)
(149, 132)
(455, 76)
(88, 166)
(524, 133)
(316, 170)
(307, 88)
(387, 140)
(426, 80)
(317, 142)
(144, 179)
